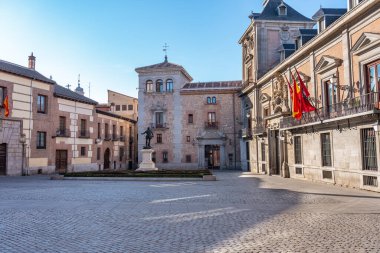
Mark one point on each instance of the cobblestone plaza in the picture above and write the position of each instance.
(237, 213)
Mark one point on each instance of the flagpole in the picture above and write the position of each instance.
(316, 109)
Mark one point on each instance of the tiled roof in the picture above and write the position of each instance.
(65, 93)
(214, 85)
(329, 11)
(270, 13)
(164, 65)
(23, 71)
(110, 114)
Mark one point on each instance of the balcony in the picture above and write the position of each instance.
(62, 133)
(122, 138)
(246, 133)
(158, 126)
(211, 125)
(367, 103)
(107, 138)
(115, 137)
(85, 134)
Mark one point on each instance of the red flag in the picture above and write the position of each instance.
(297, 106)
(306, 106)
(290, 87)
(6, 106)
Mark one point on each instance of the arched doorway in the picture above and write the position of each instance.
(107, 154)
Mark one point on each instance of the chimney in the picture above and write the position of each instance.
(32, 62)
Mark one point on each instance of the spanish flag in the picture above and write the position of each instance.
(297, 107)
(6, 106)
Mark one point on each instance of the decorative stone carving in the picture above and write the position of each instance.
(280, 101)
(158, 106)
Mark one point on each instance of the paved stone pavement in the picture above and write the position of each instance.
(235, 214)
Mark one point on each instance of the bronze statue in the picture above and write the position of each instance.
(148, 136)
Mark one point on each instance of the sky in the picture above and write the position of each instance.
(105, 40)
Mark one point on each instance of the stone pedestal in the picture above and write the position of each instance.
(147, 164)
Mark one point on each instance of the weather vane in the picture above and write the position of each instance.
(166, 51)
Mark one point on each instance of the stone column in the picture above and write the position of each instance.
(223, 157)
(201, 156)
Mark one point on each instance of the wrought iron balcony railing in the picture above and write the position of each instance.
(62, 133)
(349, 107)
(107, 137)
(84, 134)
(159, 125)
(115, 137)
(211, 125)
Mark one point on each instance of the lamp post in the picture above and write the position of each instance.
(23, 141)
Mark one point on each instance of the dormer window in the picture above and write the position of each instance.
(282, 10)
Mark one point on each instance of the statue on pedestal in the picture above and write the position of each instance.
(148, 136)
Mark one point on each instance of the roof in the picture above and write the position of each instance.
(213, 85)
(310, 32)
(162, 66)
(330, 12)
(110, 114)
(23, 71)
(270, 13)
(62, 92)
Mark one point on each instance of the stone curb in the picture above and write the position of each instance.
(150, 179)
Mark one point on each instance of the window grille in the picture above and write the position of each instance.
(370, 181)
(326, 150)
(327, 174)
(369, 149)
(299, 171)
(297, 150)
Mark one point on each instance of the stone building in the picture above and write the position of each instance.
(339, 63)
(196, 125)
(53, 129)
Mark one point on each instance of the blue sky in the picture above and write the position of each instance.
(106, 40)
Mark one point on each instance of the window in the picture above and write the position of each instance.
(230, 159)
(159, 119)
(99, 131)
(130, 107)
(121, 131)
(41, 104)
(165, 157)
(327, 174)
(3, 94)
(190, 119)
(282, 10)
(331, 95)
(326, 150)
(299, 171)
(368, 138)
(213, 100)
(159, 138)
(370, 181)
(83, 126)
(263, 158)
(187, 138)
(98, 154)
(169, 85)
(159, 86)
(114, 132)
(106, 131)
(188, 158)
(62, 124)
(82, 151)
(373, 77)
(41, 140)
(121, 154)
(117, 108)
(211, 117)
(124, 107)
(297, 150)
(208, 100)
(149, 86)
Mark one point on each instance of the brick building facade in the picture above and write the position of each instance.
(53, 129)
(195, 125)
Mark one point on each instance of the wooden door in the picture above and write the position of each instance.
(61, 161)
(107, 154)
(3, 159)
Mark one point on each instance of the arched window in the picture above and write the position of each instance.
(159, 86)
(149, 86)
(213, 100)
(208, 100)
(169, 85)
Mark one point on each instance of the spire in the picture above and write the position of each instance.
(79, 89)
(166, 52)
